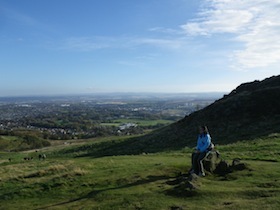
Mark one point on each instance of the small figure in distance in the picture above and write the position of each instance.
(204, 146)
(42, 156)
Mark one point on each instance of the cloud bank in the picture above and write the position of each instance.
(254, 23)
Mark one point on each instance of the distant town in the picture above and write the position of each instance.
(89, 116)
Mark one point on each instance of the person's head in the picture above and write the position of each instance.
(203, 129)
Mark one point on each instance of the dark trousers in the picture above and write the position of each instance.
(197, 164)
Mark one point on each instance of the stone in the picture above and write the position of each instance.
(237, 165)
(222, 168)
(211, 160)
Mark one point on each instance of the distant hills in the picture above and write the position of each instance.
(115, 97)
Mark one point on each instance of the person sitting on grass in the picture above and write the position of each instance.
(204, 145)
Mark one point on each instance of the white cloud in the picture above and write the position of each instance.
(166, 30)
(219, 21)
(162, 42)
(254, 23)
(87, 44)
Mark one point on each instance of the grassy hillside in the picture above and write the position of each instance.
(21, 142)
(75, 178)
(148, 172)
(248, 112)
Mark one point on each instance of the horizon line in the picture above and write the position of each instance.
(111, 93)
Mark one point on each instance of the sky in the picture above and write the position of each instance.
(51, 47)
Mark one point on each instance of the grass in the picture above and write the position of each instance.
(139, 122)
(145, 181)
(8, 142)
(265, 149)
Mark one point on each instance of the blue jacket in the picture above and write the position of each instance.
(203, 142)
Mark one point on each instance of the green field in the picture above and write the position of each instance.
(71, 178)
(8, 142)
(139, 122)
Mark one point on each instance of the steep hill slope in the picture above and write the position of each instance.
(250, 111)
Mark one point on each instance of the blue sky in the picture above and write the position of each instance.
(90, 46)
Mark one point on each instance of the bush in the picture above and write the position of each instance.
(35, 142)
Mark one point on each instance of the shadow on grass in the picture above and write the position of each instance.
(95, 193)
(150, 143)
(173, 137)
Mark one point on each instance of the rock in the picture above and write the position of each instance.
(192, 177)
(237, 165)
(222, 168)
(235, 161)
(190, 185)
(176, 208)
(213, 164)
(211, 161)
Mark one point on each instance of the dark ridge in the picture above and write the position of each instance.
(251, 110)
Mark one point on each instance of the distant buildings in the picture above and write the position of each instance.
(127, 126)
